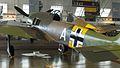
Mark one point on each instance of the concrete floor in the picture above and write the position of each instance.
(53, 60)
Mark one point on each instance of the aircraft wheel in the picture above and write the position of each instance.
(31, 40)
(62, 48)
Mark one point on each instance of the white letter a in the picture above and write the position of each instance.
(63, 35)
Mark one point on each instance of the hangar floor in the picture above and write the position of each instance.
(53, 60)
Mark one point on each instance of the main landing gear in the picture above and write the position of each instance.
(10, 48)
(62, 48)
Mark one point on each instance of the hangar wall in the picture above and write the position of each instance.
(11, 4)
(67, 4)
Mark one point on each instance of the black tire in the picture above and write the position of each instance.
(63, 48)
(32, 40)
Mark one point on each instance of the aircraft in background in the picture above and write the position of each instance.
(82, 38)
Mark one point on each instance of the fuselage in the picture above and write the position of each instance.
(76, 36)
(69, 33)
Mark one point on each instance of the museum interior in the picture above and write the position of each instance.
(59, 33)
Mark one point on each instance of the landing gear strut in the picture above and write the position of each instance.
(10, 48)
(62, 48)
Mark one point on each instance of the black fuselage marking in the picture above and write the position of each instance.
(76, 38)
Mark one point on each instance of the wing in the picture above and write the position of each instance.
(101, 53)
(100, 28)
(25, 32)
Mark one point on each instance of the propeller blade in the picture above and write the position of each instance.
(21, 11)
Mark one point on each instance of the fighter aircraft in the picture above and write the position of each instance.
(93, 45)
